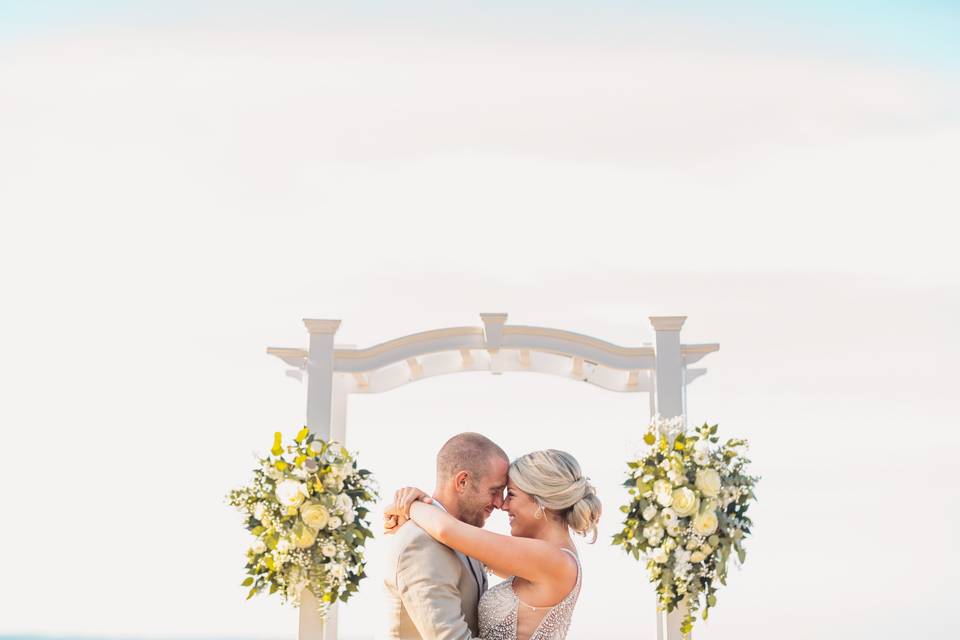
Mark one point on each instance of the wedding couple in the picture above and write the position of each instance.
(436, 579)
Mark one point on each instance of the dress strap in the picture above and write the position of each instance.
(576, 559)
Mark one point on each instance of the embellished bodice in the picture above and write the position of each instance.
(499, 606)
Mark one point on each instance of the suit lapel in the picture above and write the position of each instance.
(479, 575)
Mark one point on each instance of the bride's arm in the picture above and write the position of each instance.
(532, 559)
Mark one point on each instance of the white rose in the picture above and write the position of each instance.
(708, 482)
(659, 555)
(344, 502)
(314, 515)
(329, 549)
(258, 546)
(701, 452)
(300, 472)
(338, 572)
(673, 528)
(258, 511)
(283, 545)
(661, 489)
(650, 512)
(291, 493)
(653, 534)
(334, 523)
(705, 523)
(685, 502)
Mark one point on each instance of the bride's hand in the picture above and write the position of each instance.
(398, 512)
(405, 497)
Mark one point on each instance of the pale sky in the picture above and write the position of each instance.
(180, 186)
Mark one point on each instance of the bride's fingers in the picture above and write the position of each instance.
(407, 496)
(404, 500)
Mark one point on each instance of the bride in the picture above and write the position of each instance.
(547, 497)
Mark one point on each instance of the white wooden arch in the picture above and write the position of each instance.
(334, 371)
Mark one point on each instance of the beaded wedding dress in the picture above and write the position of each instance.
(499, 612)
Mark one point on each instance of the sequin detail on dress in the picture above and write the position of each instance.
(498, 612)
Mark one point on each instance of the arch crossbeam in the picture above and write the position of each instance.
(497, 347)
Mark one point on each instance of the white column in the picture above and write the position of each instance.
(338, 422)
(320, 405)
(342, 383)
(669, 399)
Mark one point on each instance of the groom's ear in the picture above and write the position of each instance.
(460, 481)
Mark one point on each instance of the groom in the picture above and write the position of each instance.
(432, 590)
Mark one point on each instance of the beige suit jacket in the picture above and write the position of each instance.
(432, 591)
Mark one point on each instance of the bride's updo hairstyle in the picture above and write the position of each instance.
(554, 480)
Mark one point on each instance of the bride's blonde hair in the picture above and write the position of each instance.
(554, 480)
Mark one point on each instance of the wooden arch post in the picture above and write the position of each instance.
(335, 371)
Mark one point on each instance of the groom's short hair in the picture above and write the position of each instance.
(470, 452)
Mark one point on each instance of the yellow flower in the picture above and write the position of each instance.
(685, 502)
(708, 482)
(314, 515)
(306, 538)
(706, 523)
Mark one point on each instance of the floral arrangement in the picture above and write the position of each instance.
(687, 513)
(305, 508)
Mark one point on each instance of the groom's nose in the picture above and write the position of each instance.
(498, 501)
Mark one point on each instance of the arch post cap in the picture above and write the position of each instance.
(315, 325)
(667, 323)
(493, 331)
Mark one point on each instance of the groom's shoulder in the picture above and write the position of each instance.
(411, 540)
(410, 535)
